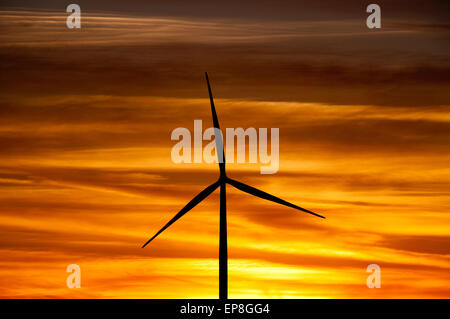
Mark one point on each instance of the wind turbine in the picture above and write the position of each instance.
(222, 182)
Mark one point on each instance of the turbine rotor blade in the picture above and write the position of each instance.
(196, 200)
(258, 193)
(219, 139)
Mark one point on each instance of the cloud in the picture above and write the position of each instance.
(260, 10)
(422, 244)
(311, 61)
(86, 175)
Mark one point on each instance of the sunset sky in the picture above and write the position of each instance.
(86, 175)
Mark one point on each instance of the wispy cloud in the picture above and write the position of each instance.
(86, 175)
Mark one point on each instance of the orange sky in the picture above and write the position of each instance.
(86, 175)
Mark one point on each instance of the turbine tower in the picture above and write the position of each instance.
(222, 182)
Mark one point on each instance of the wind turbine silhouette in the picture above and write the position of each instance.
(222, 181)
